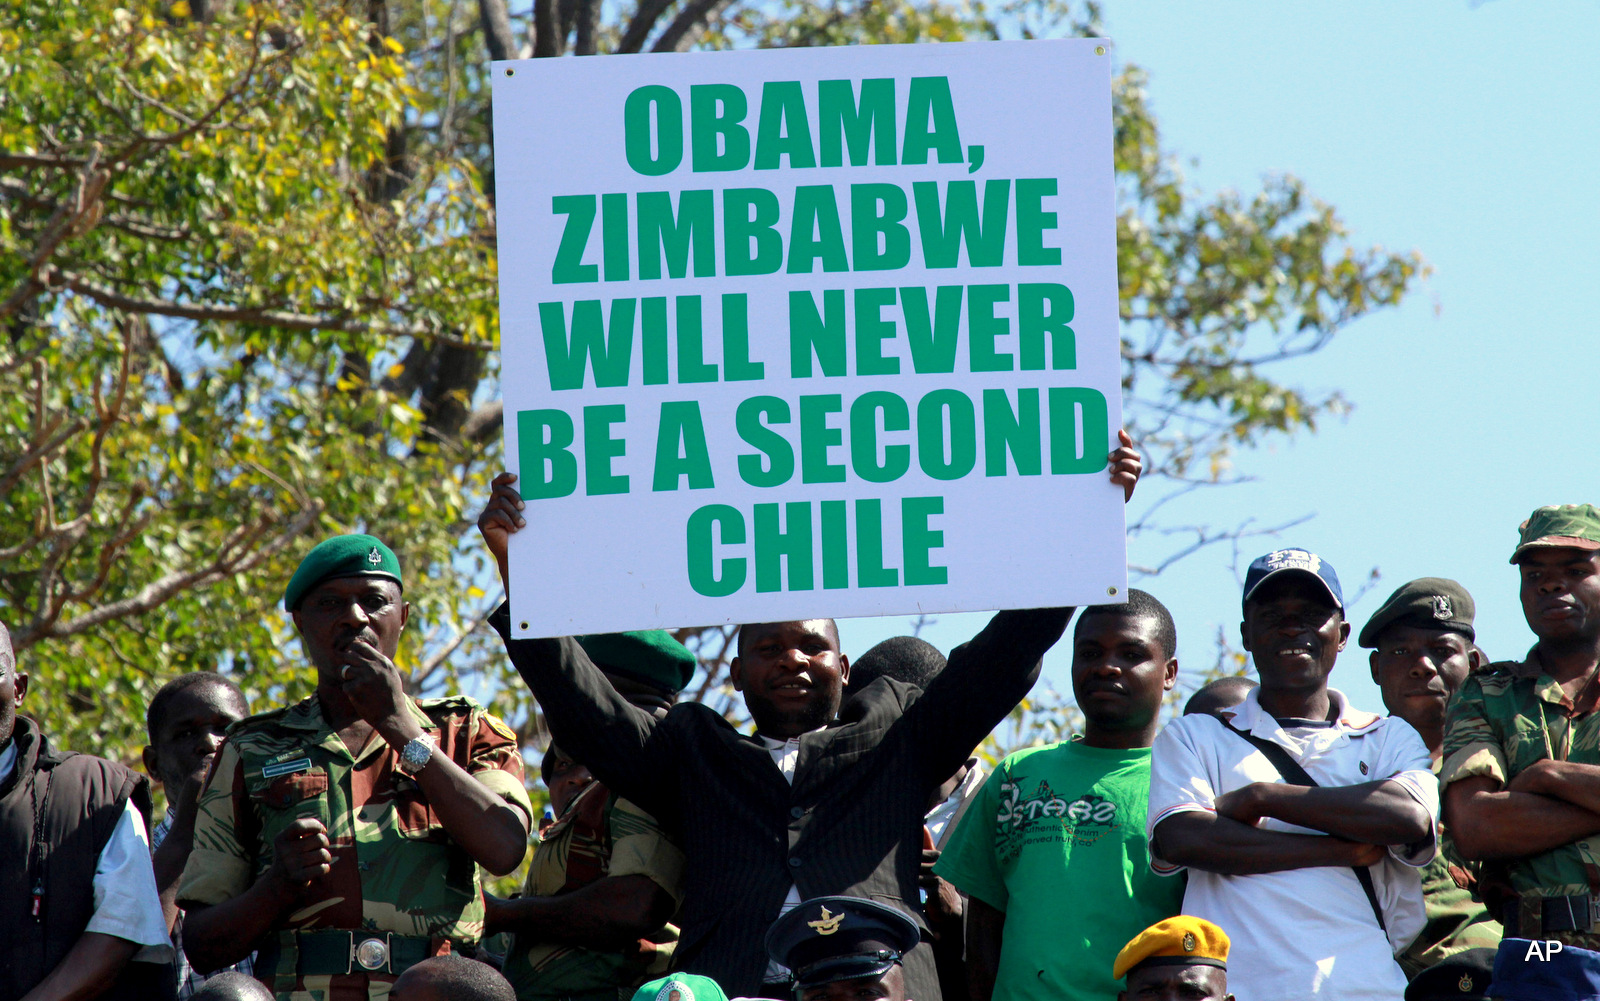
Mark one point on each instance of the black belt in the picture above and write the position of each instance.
(1580, 912)
(336, 953)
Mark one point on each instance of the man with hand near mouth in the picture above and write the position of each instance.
(1302, 820)
(1521, 770)
(340, 837)
(1422, 650)
(816, 802)
(1065, 822)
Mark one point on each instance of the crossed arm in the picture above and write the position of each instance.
(1358, 821)
(1545, 806)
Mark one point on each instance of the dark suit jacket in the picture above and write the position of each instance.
(851, 823)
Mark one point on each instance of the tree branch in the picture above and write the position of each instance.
(497, 35)
(257, 315)
(686, 28)
(158, 591)
(643, 22)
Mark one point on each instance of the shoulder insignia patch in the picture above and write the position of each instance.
(498, 726)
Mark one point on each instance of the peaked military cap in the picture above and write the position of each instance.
(1179, 941)
(341, 556)
(1575, 526)
(1462, 977)
(828, 939)
(648, 655)
(1428, 602)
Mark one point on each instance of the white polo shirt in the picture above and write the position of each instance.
(1301, 933)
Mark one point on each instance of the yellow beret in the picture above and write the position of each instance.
(1184, 940)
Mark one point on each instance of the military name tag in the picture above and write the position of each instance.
(285, 768)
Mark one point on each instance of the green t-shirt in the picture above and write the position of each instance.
(1056, 840)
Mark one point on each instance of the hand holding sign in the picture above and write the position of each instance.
(503, 516)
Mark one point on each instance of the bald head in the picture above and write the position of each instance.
(1217, 695)
(232, 986)
(451, 978)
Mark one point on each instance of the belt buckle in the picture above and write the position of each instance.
(371, 954)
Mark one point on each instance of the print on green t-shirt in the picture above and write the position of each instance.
(1056, 840)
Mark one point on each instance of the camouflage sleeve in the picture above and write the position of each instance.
(1471, 747)
(222, 864)
(495, 759)
(640, 847)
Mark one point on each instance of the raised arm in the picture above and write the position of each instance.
(1373, 813)
(614, 739)
(987, 676)
(984, 680)
(1213, 843)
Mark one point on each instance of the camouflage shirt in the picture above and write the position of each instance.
(395, 867)
(599, 835)
(1500, 722)
(1457, 921)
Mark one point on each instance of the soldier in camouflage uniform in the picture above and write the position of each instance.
(592, 922)
(1421, 639)
(1521, 774)
(341, 837)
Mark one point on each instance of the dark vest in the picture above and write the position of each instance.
(81, 799)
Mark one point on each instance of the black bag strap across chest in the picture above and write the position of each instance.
(1293, 774)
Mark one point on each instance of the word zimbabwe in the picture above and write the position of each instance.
(754, 241)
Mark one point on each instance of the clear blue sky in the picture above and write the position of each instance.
(1468, 131)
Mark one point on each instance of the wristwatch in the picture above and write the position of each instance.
(417, 753)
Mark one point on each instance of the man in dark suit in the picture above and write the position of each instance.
(815, 803)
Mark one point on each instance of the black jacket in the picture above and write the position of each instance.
(82, 799)
(851, 823)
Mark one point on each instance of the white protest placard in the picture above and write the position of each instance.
(809, 332)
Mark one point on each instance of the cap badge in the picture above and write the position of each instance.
(1441, 606)
(1465, 983)
(374, 557)
(675, 990)
(1188, 941)
(1294, 559)
(827, 924)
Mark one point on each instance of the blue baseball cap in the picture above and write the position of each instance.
(1293, 561)
(1534, 971)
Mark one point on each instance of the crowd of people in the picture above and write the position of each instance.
(1274, 843)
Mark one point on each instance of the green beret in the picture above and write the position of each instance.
(341, 556)
(650, 656)
(1429, 602)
